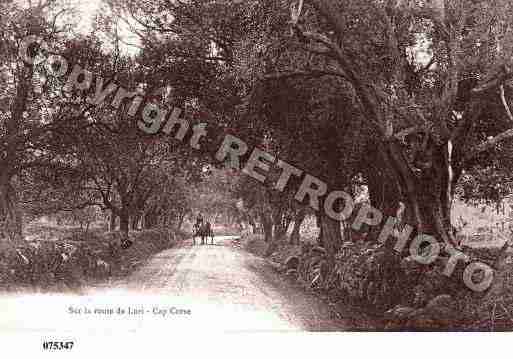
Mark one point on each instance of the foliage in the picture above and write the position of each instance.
(67, 263)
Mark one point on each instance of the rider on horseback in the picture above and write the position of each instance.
(198, 228)
(208, 232)
(202, 229)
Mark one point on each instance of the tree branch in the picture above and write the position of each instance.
(363, 88)
(496, 81)
(489, 144)
(311, 73)
(505, 103)
(401, 135)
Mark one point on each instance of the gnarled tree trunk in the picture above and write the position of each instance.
(427, 190)
(10, 214)
(294, 236)
(112, 221)
(124, 223)
(267, 226)
(331, 236)
(151, 218)
(281, 223)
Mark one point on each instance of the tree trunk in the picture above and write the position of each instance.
(267, 226)
(331, 239)
(427, 192)
(252, 223)
(10, 214)
(384, 194)
(318, 221)
(135, 222)
(294, 236)
(268, 231)
(280, 225)
(180, 221)
(112, 224)
(124, 223)
(254, 227)
(150, 219)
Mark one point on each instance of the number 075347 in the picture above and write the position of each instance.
(54, 345)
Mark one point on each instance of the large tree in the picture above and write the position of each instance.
(429, 79)
(100, 148)
(25, 100)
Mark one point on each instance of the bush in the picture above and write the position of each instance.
(70, 262)
(413, 295)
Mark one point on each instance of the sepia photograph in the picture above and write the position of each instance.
(339, 170)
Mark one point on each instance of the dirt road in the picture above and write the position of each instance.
(233, 288)
(217, 287)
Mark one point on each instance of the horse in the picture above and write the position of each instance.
(203, 230)
(197, 232)
(208, 232)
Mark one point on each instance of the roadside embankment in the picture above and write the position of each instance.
(405, 294)
(67, 264)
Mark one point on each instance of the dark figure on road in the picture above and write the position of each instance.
(204, 230)
(197, 229)
(208, 232)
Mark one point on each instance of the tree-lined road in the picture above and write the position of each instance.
(228, 288)
(216, 288)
